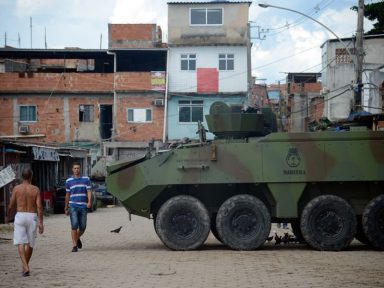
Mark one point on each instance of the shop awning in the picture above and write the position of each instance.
(45, 154)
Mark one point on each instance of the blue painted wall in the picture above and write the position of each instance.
(178, 130)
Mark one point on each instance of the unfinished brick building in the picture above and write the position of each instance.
(62, 99)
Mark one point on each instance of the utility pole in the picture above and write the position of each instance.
(260, 33)
(359, 56)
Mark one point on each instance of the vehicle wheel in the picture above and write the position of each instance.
(328, 222)
(243, 222)
(373, 222)
(182, 223)
(360, 235)
(214, 229)
(297, 231)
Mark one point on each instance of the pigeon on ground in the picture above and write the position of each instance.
(277, 239)
(117, 230)
(269, 239)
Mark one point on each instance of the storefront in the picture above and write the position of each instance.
(49, 165)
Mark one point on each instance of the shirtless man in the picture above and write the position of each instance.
(26, 198)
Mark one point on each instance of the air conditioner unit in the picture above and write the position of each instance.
(23, 129)
(158, 102)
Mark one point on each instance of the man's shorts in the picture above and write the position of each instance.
(25, 228)
(78, 218)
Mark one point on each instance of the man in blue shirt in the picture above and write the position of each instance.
(77, 200)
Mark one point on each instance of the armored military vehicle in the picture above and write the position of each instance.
(329, 185)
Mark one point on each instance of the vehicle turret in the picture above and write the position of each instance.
(224, 123)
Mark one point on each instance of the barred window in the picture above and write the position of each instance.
(342, 56)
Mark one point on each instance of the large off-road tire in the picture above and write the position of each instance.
(373, 222)
(182, 223)
(243, 222)
(328, 222)
(214, 229)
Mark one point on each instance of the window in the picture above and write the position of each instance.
(28, 113)
(86, 113)
(139, 115)
(342, 55)
(190, 111)
(188, 62)
(206, 16)
(226, 62)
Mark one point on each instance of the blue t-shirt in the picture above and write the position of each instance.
(77, 189)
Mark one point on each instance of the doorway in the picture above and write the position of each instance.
(105, 127)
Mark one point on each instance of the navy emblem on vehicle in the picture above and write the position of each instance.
(293, 157)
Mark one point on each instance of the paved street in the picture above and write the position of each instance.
(136, 258)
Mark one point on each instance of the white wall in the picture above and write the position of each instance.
(234, 29)
(208, 57)
(337, 77)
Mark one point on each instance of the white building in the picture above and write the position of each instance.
(339, 73)
(209, 60)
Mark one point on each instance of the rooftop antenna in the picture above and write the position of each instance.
(30, 26)
(45, 37)
(5, 39)
(18, 38)
(101, 39)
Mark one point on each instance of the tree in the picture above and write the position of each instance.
(374, 11)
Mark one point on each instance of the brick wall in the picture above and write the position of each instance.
(51, 91)
(316, 108)
(74, 82)
(308, 87)
(134, 81)
(52, 119)
(139, 131)
(133, 36)
(6, 116)
(56, 82)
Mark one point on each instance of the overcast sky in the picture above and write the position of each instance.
(292, 42)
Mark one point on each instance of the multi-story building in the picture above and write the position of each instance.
(339, 74)
(66, 96)
(304, 102)
(209, 60)
(56, 102)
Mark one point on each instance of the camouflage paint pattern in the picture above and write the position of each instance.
(281, 166)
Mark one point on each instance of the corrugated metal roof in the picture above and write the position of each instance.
(211, 2)
(366, 37)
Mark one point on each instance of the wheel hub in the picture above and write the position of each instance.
(329, 223)
(183, 224)
(243, 222)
